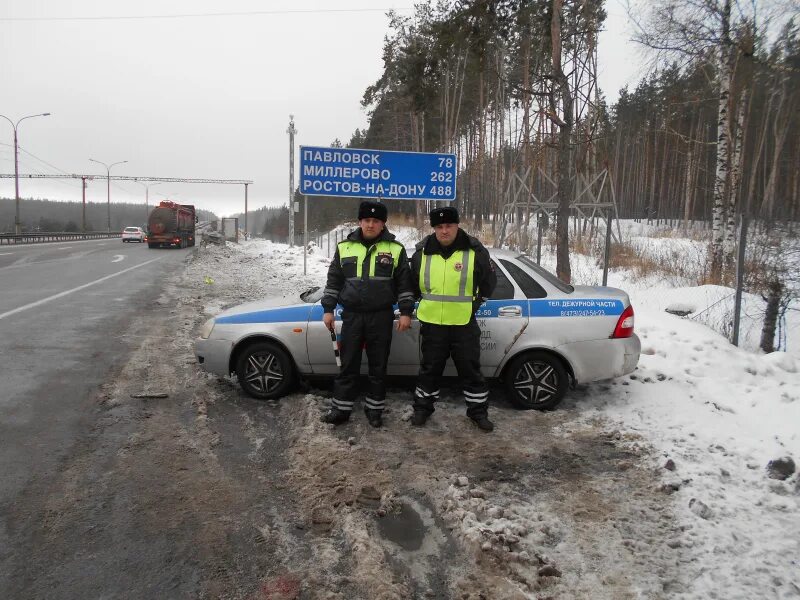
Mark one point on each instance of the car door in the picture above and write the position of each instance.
(403, 357)
(502, 319)
(321, 358)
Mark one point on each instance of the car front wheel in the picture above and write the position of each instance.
(536, 380)
(265, 371)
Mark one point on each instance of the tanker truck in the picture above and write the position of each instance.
(171, 225)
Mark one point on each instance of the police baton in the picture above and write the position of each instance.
(336, 348)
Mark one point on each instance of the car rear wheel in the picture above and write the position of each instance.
(265, 371)
(536, 380)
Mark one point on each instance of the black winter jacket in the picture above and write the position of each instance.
(484, 276)
(365, 294)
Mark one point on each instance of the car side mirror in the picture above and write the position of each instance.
(311, 295)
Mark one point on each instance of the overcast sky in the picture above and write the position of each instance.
(198, 97)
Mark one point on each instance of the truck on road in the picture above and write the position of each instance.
(171, 224)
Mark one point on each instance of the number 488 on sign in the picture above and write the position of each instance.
(441, 190)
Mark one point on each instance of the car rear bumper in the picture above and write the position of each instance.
(213, 355)
(594, 360)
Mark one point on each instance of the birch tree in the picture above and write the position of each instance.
(691, 29)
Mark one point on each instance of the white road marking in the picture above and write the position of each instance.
(77, 289)
(118, 258)
(65, 248)
(6, 253)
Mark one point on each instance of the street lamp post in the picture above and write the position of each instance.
(108, 180)
(147, 187)
(17, 224)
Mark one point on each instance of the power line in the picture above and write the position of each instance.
(38, 170)
(128, 178)
(41, 160)
(204, 15)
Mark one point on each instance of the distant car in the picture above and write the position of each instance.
(133, 234)
(538, 335)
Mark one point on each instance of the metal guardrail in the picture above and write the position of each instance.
(53, 236)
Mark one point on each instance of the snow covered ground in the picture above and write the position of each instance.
(712, 415)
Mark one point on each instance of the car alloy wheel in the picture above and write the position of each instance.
(264, 371)
(536, 380)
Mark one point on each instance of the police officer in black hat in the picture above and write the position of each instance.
(369, 273)
(452, 276)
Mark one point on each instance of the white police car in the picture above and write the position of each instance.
(538, 335)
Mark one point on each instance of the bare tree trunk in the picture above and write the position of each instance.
(624, 184)
(689, 189)
(563, 270)
(733, 190)
(664, 170)
(722, 180)
(444, 101)
(779, 132)
(499, 166)
(526, 130)
(420, 129)
(775, 292)
(753, 163)
(795, 197)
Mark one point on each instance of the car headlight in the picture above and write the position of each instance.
(207, 328)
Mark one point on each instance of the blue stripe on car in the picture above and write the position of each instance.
(560, 307)
(288, 314)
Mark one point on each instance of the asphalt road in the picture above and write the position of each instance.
(62, 309)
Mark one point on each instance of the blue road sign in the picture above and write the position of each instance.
(387, 174)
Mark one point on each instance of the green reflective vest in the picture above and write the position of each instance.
(355, 252)
(447, 288)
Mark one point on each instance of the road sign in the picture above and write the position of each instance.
(386, 174)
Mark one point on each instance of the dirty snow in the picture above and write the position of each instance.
(676, 504)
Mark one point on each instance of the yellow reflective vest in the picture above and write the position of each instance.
(447, 287)
(353, 255)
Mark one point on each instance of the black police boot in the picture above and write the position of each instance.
(483, 422)
(374, 416)
(419, 418)
(335, 416)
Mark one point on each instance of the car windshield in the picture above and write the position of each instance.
(545, 274)
(131, 229)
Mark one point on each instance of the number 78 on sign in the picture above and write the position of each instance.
(364, 173)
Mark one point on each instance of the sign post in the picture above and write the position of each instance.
(291, 131)
(385, 174)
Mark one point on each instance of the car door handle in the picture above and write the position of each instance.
(509, 311)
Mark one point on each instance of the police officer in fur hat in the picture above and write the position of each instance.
(452, 276)
(369, 273)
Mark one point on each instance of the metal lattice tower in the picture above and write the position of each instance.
(592, 199)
